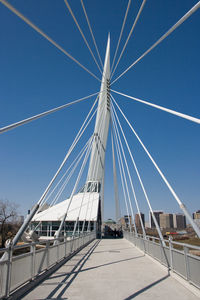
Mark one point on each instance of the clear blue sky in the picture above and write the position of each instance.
(35, 77)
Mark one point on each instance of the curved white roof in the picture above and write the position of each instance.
(88, 211)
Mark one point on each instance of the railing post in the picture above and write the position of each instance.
(171, 253)
(33, 261)
(144, 245)
(65, 240)
(9, 268)
(186, 250)
(47, 249)
(135, 240)
(148, 244)
(57, 251)
(162, 252)
(72, 244)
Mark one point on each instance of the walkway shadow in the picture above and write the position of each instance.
(119, 249)
(146, 288)
(27, 289)
(114, 262)
(64, 281)
(99, 266)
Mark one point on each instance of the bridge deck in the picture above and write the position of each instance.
(110, 269)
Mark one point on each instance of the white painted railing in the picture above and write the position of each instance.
(16, 270)
(182, 262)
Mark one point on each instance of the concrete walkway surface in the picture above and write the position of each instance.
(110, 269)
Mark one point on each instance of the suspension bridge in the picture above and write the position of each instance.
(66, 257)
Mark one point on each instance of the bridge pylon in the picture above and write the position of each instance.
(95, 178)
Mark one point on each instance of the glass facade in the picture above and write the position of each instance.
(49, 228)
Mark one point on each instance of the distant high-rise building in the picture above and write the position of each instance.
(166, 221)
(196, 215)
(125, 221)
(137, 220)
(179, 221)
(157, 214)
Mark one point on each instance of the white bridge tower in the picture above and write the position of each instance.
(97, 161)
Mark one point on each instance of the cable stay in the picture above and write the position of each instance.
(120, 36)
(173, 112)
(93, 186)
(41, 115)
(182, 206)
(56, 198)
(72, 171)
(116, 193)
(37, 29)
(121, 176)
(122, 151)
(84, 192)
(80, 133)
(130, 33)
(82, 34)
(92, 201)
(183, 19)
(95, 169)
(90, 28)
(128, 172)
(142, 185)
(74, 189)
(94, 172)
(68, 178)
(66, 172)
(41, 200)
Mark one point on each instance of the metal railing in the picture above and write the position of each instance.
(181, 262)
(16, 270)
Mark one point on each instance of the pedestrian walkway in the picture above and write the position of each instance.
(110, 269)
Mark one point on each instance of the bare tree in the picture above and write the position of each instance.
(8, 217)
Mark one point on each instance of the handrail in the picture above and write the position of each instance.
(37, 260)
(182, 262)
(195, 247)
